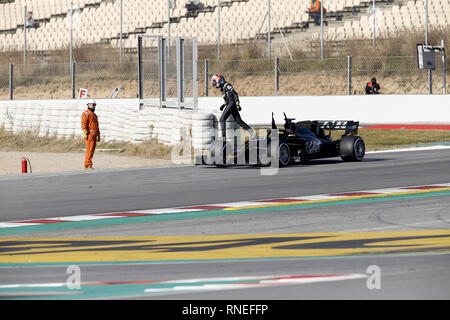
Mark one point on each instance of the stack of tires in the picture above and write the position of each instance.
(203, 131)
(17, 120)
(168, 125)
(105, 120)
(73, 125)
(61, 121)
(165, 129)
(183, 131)
(141, 131)
(44, 123)
(28, 118)
(52, 121)
(129, 117)
(116, 128)
(177, 129)
(123, 126)
(152, 114)
(8, 118)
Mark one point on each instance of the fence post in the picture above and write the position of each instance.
(444, 68)
(140, 83)
(195, 72)
(11, 81)
(206, 77)
(430, 80)
(74, 72)
(277, 76)
(349, 75)
(180, 71)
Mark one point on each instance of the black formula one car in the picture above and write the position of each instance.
(297, 142)
(307, 140)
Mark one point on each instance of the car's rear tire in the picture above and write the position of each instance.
(352, 149)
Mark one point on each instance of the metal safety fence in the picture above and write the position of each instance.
(331, 76)
(107, 79)
(256, 77)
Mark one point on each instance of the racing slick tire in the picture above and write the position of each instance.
(352, 149)
(284, 155)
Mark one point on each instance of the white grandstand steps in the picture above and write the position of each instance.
(241, 20)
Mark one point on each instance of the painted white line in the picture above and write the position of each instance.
(14, 225)
(316, 198)
(314, 280)
(265, 282)
(224, 279)
(81, 218)
(411, 149)
(25, 224)
(165, 211)
(387, 191)
(211, 287)
(33, 285)
(239, 204)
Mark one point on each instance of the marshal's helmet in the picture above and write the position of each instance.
(217, 80)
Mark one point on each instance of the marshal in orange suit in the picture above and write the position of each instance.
(91, 132)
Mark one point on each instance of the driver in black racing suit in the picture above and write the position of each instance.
(231, 105)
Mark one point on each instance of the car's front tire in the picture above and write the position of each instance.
(284, 155)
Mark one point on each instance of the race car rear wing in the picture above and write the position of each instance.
(319, 126)
(350, 127)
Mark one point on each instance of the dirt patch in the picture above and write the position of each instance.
(69, 162)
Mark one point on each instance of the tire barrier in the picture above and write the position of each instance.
(120, 121)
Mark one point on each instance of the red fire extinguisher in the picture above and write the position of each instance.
(25, 163)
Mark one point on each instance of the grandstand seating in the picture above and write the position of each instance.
(97, 21)
(390, 22)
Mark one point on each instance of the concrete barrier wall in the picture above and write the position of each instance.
(123, 120)
(379, 109)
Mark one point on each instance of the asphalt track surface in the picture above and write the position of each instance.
(409, 273)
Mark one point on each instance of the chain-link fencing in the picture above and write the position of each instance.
(396, 75)
(249, 77)
(313, 77)
(254, 77)
(41, 81)
(4, 81)
(107, 79)
(331, 76)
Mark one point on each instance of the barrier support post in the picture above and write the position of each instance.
(206, 77)
(74, 72)
(349, 75)
(11, 81)
(444, 68)
(277, 76)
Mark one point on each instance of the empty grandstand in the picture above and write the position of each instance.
(96, 26)
(98, 21)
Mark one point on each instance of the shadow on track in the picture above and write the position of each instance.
(307, 163)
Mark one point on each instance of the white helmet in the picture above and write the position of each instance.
(91, 101)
